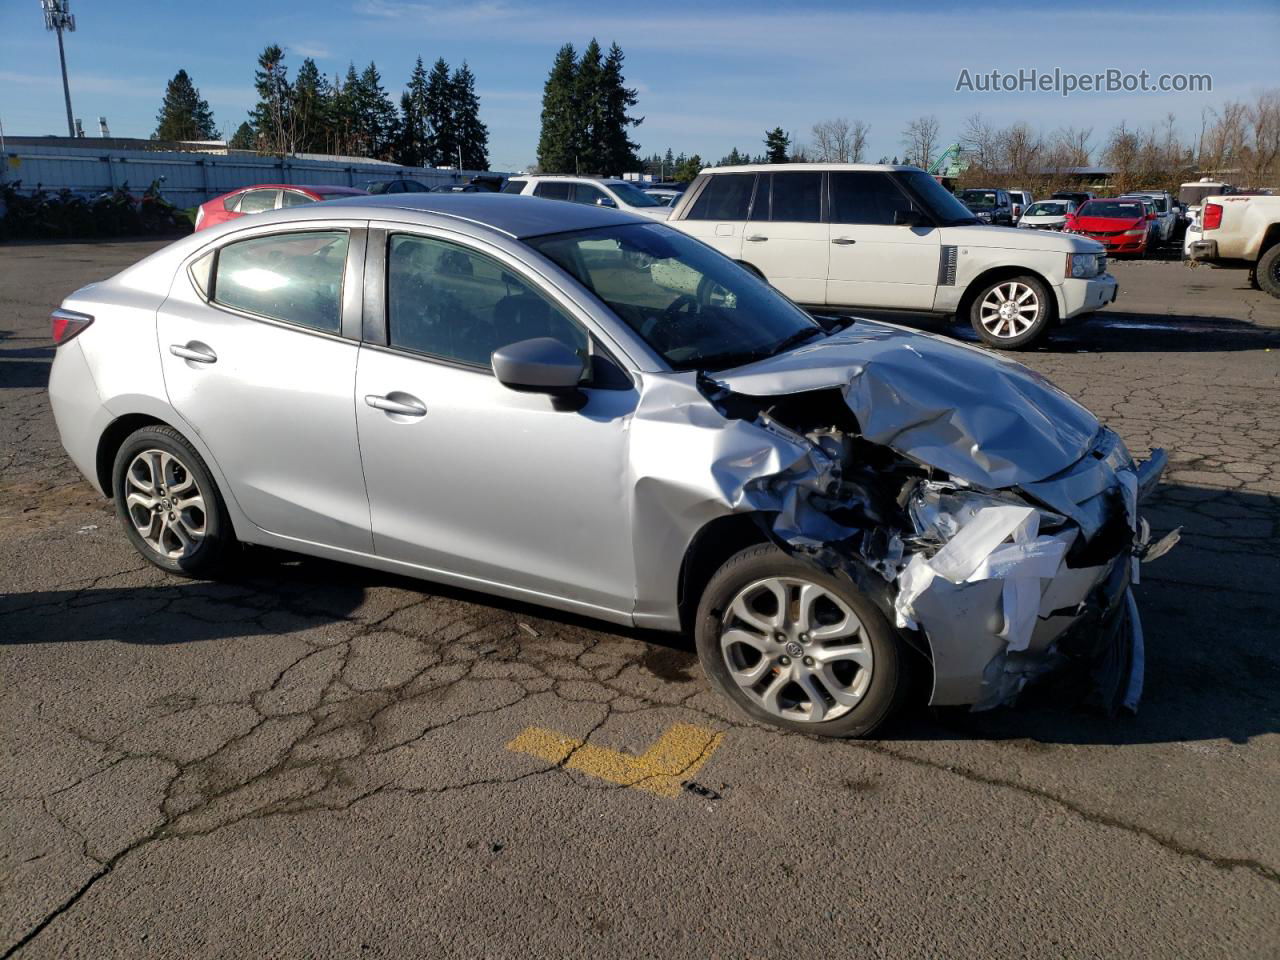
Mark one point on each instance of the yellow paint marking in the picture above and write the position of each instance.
(677, 756)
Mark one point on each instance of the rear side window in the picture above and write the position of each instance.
(514, 186)
(256, 201)
(295, 277)
(554, 190)
(727, 196)
(294, 199)
(867, 198)
(450, 302)
(413, 186)
(796, 198)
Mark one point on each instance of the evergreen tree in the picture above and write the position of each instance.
(669, 163)
(184, 115)
(471, 135)
(688, 168)
(617, 151)
(444, 143)
(415, 131)
(310, 107)
(376, 115)
(589, 116)
(733, 159)
(343, 105)
(558, 141)
(273, 118)
(243, 138)
(777, 146)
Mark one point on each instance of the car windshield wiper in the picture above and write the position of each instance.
(795, 339)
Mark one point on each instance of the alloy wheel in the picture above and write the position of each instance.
(1009, 309)
(165, 504)
(796, 649)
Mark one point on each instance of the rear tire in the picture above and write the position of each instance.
(824, 662)
(1267, 271)
(169, 505)
(1016, 327)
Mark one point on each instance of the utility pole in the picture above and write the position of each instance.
(58, 17)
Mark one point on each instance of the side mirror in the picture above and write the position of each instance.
(540, 365)
(908, 218)
(605, 202)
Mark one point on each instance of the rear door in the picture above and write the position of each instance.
(719, 212)
(876, 262)
(786, 238)
(259, 356)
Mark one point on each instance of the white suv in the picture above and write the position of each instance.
(617, 194)
(841, 236)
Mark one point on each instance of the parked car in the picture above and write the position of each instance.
(1046, 215)
(989, 206)
(1166, 211)
(821, 505)
(266, 196)
(665, 196)
(1121, 226)
(892, 238)
(460, 188)
(1021, 199)
(1242, 231)
(1191, 197)
(396, 186)
(617, 194)
(1078, 197)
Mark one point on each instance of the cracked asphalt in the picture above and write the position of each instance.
(311, 761)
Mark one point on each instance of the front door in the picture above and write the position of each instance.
(786, 239)
(470, 479)
(874, 261)
(256, 362)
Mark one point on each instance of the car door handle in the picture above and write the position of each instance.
(843, 241)
(756, 238)
(409, 406)
(193, 350)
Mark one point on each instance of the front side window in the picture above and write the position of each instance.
(632, 196)
(727, 196)
(257, 201)
(586, 193)
(295, 277)
(796, 198)
(697, 309)
(554, 190)
(450, 302)
(866, 197)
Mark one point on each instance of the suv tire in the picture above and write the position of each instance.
(1017, 327)
(828, 642)
(169, 505)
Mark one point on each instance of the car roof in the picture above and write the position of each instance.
(807, 167)
(313, 187)
(508, 213)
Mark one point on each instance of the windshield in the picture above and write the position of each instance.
(978, 199)
(936, 199)
(696, 308)
(631, 196)
(1115, 209)
(1046, 208)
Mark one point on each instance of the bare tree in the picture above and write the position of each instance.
(839, 141)
(1264, 122)
(921, 140)
(981, 143)
(1023, 151)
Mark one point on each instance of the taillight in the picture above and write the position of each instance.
(1212, 219)
(68, 324)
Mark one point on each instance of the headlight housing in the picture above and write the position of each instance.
(1081, 266)
(1135, 233)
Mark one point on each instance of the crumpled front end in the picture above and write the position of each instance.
(986, 513)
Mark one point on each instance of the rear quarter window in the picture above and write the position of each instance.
(727, 196)
(514, 186)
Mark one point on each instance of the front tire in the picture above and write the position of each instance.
(1013, 313)
(169, 505)
(1267, 272)
(799, 648)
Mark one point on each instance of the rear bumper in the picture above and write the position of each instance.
(1086, 296)
(77, 409)
(1203, 250)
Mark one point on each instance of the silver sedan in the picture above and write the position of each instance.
(575, 407)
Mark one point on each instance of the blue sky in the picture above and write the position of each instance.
(711, 75)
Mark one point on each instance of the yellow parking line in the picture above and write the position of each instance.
(677, 756)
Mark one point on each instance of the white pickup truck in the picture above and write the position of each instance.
(1242, 231)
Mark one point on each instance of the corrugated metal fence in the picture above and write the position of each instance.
(192, 178)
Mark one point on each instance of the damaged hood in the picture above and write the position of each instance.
(983, 419)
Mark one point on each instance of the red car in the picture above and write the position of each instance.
(1122, 226)
(266, 196)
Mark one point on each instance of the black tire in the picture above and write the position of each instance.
(210, 552)
(889, 680)
(1267, 271)
(1026, 338)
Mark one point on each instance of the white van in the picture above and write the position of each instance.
(844, 236)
